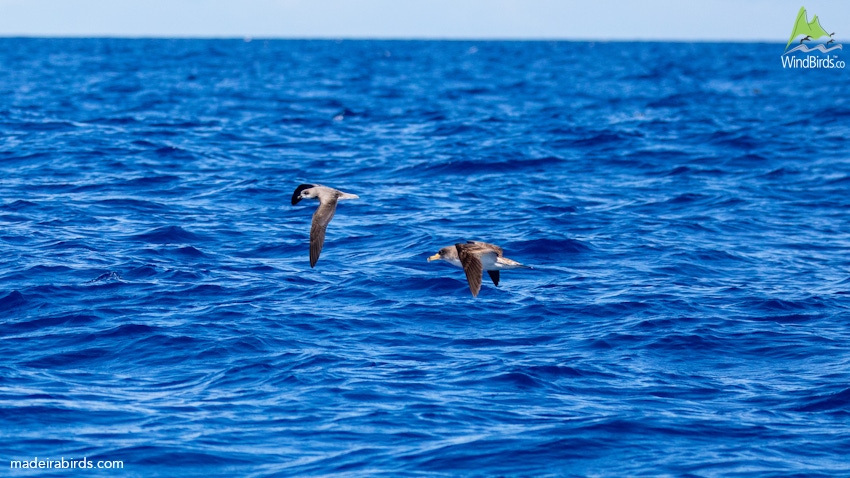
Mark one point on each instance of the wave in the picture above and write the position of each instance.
(12, 300)
(168, 235)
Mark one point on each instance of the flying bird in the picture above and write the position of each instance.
(475, 258)
(327, 198)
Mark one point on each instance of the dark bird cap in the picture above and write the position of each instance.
(296, 196)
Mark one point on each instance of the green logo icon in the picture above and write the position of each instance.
(809, 31)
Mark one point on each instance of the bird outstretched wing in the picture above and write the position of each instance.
(485, 246)
(321, 218)
(471, 266)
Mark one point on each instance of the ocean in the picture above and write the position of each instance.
(684, 207)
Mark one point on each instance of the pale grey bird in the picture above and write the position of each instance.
(327, 198)
(475, 258)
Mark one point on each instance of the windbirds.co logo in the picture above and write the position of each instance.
(808, 33)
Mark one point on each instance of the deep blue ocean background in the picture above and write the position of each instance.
(685, 208)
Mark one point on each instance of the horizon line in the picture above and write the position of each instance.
(250, 38)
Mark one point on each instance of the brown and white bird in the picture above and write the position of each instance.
(475, 258)
(327, 198)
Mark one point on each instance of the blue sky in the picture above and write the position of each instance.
(747, 20)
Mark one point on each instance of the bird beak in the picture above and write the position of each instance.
(435, 257)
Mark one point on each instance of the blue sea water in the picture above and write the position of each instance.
(685, 208)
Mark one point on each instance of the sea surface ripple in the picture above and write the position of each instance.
(685, 208)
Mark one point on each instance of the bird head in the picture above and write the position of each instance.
(304, 191)
(445, 254)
